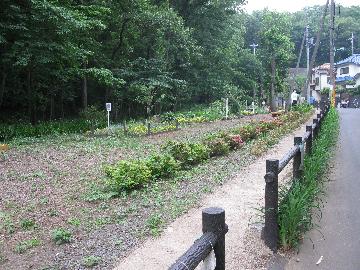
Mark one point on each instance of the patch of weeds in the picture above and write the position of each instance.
(91, 261)
(206, 189)
(53, 212)
(6, 223)
(23, 246)
(96, 193)
(74, 221)
(27, 224)
(119, 243)
(154, 223)
(44, 200)
(61, 236)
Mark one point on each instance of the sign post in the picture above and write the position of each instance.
(108, 109)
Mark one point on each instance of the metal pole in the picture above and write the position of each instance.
(307, 96)
(108, 119)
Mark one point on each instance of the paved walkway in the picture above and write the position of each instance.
(339, 241)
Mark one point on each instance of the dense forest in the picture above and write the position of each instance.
(57, 57)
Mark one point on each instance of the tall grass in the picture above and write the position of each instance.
(298, 204)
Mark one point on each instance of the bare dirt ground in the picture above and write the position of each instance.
(240, 197)
(54, 182)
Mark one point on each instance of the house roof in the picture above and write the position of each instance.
(355, 59)
(325, 66)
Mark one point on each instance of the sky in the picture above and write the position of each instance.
(292, 5)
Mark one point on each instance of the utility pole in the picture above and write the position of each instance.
(254, 47)
(352, 43)
(332, 51)
(307, 93)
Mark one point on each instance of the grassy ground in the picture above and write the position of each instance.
(297, 205)
(54, 184)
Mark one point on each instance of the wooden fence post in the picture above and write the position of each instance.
(315, 133)
(271, 229)
(148, 128)
(309, 140)
(177, 124)
(297, 159)
(213, 220)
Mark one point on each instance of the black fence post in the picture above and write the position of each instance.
(316, 122)
(297, 159)
(177, 124)
(271, 229)
(309, 140)
(213, 220)
(148, 128)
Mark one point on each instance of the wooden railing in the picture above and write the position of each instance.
(274, 168)
(213, 238)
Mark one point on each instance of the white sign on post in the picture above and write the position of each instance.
(108, 108)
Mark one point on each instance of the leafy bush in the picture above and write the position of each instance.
(61, 236)
(127, 175)
(217, 146)
(187, 153)
(162, 166)
(302, 108)
(138, 129)
(247, 132)
(93, 117)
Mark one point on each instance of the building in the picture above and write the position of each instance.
(320, 80)
(348, 72)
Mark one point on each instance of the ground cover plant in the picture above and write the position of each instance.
(58, 182)
(297, 205)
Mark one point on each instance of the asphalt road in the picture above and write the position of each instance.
(339, 240)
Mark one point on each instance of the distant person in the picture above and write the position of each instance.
(312, 100)
(294, 98)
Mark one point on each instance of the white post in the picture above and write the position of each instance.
(253, 107)
(226, 108)
(108, 109)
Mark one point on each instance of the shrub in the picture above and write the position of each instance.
(163, 166)
(137, 129)
(61, 236)
(217, 147)
(93, 117)
(187, 153)
(127, 175)
(247, 132)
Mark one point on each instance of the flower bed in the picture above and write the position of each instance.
(132, 174)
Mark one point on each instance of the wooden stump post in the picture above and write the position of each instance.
(271, 229)
(213, 220)
(309, 140)
(297, 159)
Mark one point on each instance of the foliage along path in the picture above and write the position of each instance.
(337, 239)
(240, 197)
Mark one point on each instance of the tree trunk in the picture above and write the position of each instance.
(2, 88)
(62, 104)
(84, 93)
(51, 107)
(273, 105)
(31, 113)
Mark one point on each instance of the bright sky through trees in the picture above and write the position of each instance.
(289, 5)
